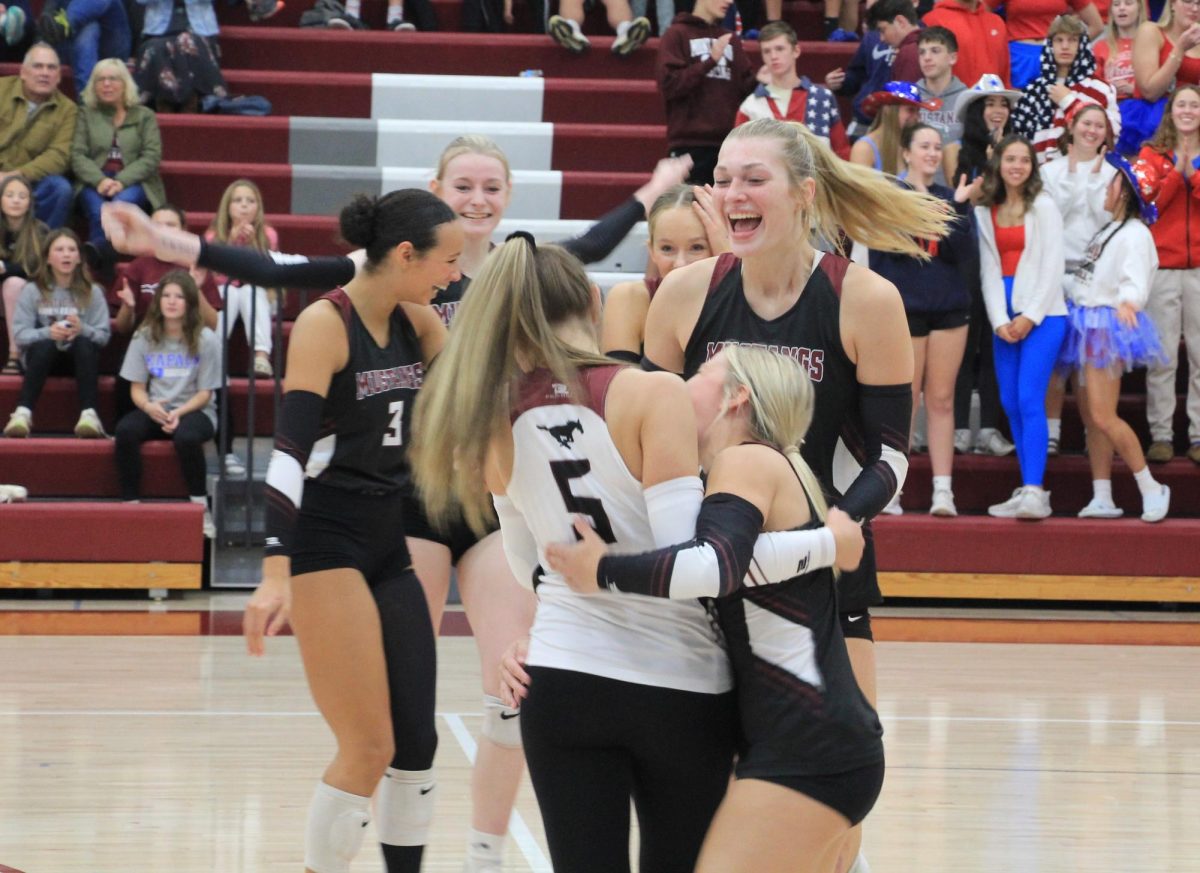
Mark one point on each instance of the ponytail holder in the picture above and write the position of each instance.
(525, 235)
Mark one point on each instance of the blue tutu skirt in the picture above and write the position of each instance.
(1097, 338)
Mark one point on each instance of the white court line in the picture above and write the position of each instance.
(516, 825)
(227, 713)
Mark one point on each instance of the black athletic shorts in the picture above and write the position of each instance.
(337, 528)
(459, 539)
(924, 323)
(851, 794)
(857, 625)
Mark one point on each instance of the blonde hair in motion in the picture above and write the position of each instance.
(504, 325)
(867, 205)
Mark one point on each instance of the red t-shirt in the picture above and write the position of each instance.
(1116, 68)
(1010, 243)
(1031, 19)
(144, 275)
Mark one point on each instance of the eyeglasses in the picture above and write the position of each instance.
(1195, 4)
(100, 80)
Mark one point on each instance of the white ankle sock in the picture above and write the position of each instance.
(622, 28)
(1146, 482)
(941, 483)
(354, 7)
(1102, 490)
(485, 851)
(201, 499)
(395, 13)
(1055, 427)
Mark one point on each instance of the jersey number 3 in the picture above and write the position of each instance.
(394, 435)
(564, 472)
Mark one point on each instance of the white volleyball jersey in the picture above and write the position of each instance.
(566, 464)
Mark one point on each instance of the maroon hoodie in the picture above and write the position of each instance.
(701, 95)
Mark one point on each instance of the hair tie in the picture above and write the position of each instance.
(525, 235)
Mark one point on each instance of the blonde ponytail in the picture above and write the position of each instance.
(505, 324)
(781, 407)
(865, 204)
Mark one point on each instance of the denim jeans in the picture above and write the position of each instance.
(52, 201)
(99, 29)
(90, 201)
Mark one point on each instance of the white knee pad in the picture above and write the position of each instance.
(404, 807)
(501, 724)
(337, 823)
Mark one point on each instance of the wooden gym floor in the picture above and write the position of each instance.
(142, 740)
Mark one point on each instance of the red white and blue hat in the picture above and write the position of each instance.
(1145, 181)
(989, 85)
(897, 94)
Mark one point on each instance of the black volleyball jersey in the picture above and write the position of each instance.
(365, 419)
(810, 333)
(800, 708)
(445, 302)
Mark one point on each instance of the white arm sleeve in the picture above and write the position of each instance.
(673, 507)
(519, 545)
(780, 556)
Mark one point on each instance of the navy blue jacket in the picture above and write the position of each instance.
(868, 71)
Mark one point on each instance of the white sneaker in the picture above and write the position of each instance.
(1099, 508)
(567, 34)
(633, 37)
(1154, 507)
(20, 423)
(943, 504)
(89, 427)
(1007, 509)
(210, 529)
(234, 466)
(893, 507)
(12, 493)
(1034, 505)
(962, 441)
(991, 442)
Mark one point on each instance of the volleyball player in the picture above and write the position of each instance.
(810, 753)
(628, 699)
(334, 566)
(777, 185)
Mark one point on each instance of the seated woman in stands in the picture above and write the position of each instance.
(178, 62)
(60, 324)
(20, 254)
(173, 366)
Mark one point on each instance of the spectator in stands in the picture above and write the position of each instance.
(937, 52)
(985, 110)
(1029, 22)
(1021, 259)
(894, 108)
(791, 97)
(36, 125)
(937, 303)
(868, 71)
(137, 282)
(982, 37)
(1114, 64)
(1067, 80)
(1108, 333)
(564, 28)
(15, 30)
(1078, 185)
(1174, 304)
(841, 18)
(1166, 54)
(178, 62)
(20, 255)
(349, 17)
(683, 229)
(173, 366)
(897, 23)
(704, 74)
(115, 154)
(664, 12)
(85, 31)
(240, 220)
(61, 323)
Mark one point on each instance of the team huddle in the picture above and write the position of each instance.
(644, 634)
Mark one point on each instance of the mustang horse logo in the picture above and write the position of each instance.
(562, 433)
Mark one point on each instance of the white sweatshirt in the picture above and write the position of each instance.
(1121, 273)
(1079, 196)
(1037, 284)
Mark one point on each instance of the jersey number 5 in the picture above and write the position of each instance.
(394, 435)
(564, 472)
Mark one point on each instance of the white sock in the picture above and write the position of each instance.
(395, 12)
(201, 499)
(354, 7)
(941, 483)
(860, 864)
(1102, 490)
(622, 28)
(1055, 427)
(484, 851)
(1146, 483)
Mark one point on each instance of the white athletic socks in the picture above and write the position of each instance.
(860, 864)
(622, 28)
(1102, 489)
(942, 483)
(485, 852)
(1054, 425)
(395, 12)
(1146, 482)
(354, 7)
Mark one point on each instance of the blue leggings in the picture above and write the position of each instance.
(1023, 373)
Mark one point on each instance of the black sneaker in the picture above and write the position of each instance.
(53, 27)
(635, 35)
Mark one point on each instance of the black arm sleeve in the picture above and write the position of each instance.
(886, 413)
(713, 564)
(624, 355)
(650, 367)
(598, 241)
(296, 431)
(273, 269)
